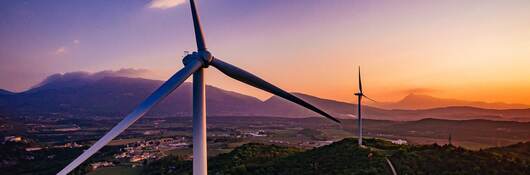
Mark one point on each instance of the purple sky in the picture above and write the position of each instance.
(456, 48)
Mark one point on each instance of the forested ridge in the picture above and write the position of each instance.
(345, 157)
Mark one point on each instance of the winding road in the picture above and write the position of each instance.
(391, 166)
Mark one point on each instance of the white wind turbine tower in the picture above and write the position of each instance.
(194, 63)
(360, 96)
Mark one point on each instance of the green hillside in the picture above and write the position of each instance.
(345, 157)
(435, 159)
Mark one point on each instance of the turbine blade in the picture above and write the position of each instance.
(199, 37)
(250, 79)
(138, 112)
(369, 98)
(360, 84)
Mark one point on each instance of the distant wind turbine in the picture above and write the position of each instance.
(360, 96)
(194, 63)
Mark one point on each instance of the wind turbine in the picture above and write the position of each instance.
(194, 63)
(360, 96)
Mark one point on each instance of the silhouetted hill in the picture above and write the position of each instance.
(119, 95)
(416, 101)
(345, 157)
(82, 94)
(3, 96)
(436, 159)
(520, 151)
(236, 161)
(5, 92)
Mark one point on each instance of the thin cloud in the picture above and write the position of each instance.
(165, 4)
(420, 91)
(124, 72)
(60, 50)
(64, 49)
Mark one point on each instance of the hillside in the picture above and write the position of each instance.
(516, 151)
(117, 96)
(5, 92)
(345, 157)
(435, 159)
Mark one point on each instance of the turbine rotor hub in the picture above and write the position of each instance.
(203, 56)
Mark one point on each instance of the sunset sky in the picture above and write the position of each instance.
(464, 49)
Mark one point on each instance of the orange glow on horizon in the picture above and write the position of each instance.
(468, 50)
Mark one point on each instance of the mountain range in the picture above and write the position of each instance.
(420, 101)
(86, 95)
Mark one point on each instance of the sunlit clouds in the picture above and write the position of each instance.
(124, 72)
(165, 4)
(64, 49)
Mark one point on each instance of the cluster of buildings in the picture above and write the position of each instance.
(97, 165)
(258, 133)
(66, 145)
(399, 142)
(37, 148)
(20, 139)
(12, 139)
(69, 145)
(240, 133)
(151, 149)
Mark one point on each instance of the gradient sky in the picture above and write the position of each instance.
(464, 49)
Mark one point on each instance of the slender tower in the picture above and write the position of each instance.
(450, 139)
(359, 118)
(360, 96)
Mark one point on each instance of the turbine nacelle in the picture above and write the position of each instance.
(202, 56)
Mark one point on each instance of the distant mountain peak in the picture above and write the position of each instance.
(416, 96)
(422, 101)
